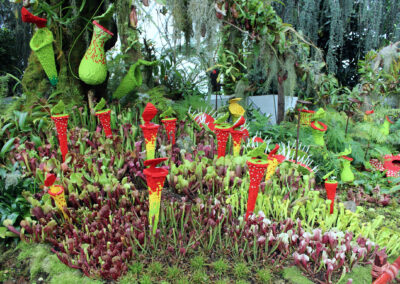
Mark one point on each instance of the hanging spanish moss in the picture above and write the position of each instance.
(182, 23)
(335, 35)
(345, 29)
(205, 27)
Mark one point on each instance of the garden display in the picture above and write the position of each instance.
(330, 187)
(149, 130)
(318, 130)
(306, 116)
(107, 187)
(212, 144)
(155, 178)
(385, 129)
(236, 109)
(169, 124)
(104, 117)
(346, 175)
(391, 165)
(222, 131)
(258, 162)
(61, 122)
(57, 193)
(132, 79)
(42, 44)
(238, 135)
(203, 119)
(93, 69)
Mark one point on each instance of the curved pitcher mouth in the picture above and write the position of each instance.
(41, 38)
(103, 111)
(60, 116)
(258, 162)
(155, 172)
(103, 28)
(323, 125)
(61, 190)
(387, 118)
(346, 158)
(306, 111)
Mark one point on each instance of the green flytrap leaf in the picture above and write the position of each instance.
(258, 152)
(169, 112)
(222, 119)
(7, 147)
(58, 108)
(100, 105)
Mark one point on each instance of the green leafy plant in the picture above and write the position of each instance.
(155, 268)
(197, 262)
(241, 270)
(200, 276)
(220, 266)
(264, 275)
(371, 180)
(173, 272)
(13, 206)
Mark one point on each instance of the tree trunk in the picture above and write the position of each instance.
(281, 101)
(71, 39)
(127, 33)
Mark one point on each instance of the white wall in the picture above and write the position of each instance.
(265, 104)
